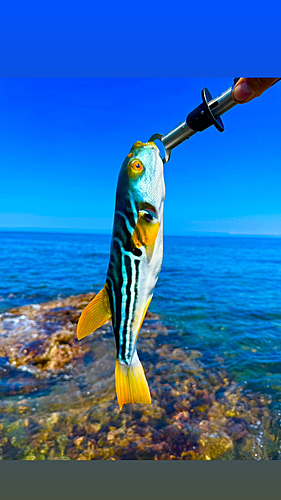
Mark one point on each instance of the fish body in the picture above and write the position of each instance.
(135, 262)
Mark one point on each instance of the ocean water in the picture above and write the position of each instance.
(220, 296)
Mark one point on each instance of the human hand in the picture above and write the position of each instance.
(246, 89)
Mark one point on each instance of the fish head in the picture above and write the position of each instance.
(141, 176)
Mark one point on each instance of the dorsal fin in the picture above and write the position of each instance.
(96, 314)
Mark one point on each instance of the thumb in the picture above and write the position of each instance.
(246, 89)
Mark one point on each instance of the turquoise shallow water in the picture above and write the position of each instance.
(220, 296)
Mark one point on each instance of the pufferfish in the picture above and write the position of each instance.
(135, 262)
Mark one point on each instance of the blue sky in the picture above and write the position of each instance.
(62, 143)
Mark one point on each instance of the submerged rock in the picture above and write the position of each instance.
(59, 403)
(44, 336)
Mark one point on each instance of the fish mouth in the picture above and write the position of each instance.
(147, 206)
(140, 144)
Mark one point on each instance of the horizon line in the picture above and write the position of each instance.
(108, 233)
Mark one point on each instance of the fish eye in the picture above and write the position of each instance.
(137, 165)
(135, 168)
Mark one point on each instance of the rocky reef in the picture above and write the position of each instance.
(58, 397)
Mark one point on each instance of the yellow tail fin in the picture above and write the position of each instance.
(131, 383)
(95, 314)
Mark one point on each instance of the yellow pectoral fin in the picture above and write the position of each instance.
(145, 233)
(149, 250)
(96, 314)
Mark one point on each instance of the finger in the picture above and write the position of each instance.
(246, 89)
